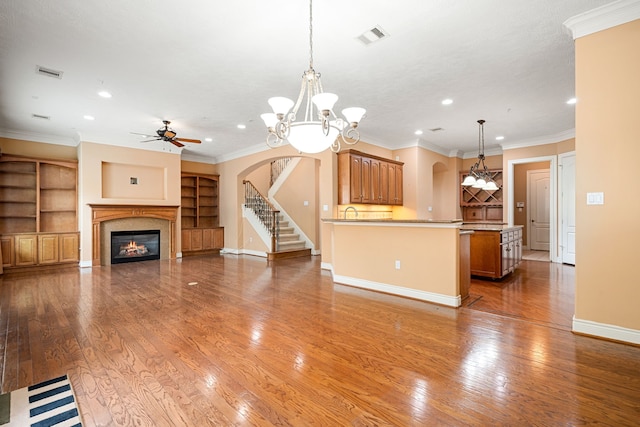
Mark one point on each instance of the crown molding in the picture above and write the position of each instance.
(254, 149)
(549, 139)
(487, 153)
(603, 17)
(432, 147)
(40, 137)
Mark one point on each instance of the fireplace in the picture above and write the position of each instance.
(135, 245)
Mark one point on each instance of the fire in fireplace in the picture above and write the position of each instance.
(131, 246)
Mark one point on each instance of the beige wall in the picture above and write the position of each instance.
(298, 189)
(607, 153)
(261, 178)
(96, 166)
(429, 257)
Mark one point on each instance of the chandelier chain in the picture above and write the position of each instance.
(311, 34)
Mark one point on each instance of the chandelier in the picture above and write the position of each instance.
(321, 128)
(479, 176)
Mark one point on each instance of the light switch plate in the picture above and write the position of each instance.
(595, 198)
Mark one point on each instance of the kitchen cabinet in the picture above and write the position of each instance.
(39, 249)
(496, 251)
(368, 179)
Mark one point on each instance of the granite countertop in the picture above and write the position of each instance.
(398, 221)
(489, 226)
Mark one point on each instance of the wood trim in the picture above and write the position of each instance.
(100, 213)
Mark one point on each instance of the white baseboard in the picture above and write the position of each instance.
(326, 266)
(400, 291)
(603, 330)
(86, 264)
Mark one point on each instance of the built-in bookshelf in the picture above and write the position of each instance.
(38, 211)
(199, 213)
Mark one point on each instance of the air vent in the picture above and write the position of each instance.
(373, 35)
(40, 116)
(43, 71)
(436, 130)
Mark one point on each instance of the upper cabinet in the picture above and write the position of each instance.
(367, 179)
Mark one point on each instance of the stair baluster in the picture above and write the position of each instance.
(268, 215)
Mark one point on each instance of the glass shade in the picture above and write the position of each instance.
(270, 119)
(325, 101)
(480, 183)
(469, 180)
(491, 186)
(280, 105)
(307, 137)
(353, 114)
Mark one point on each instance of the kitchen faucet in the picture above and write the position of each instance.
(350, 207)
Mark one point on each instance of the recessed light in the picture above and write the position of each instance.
(241, 126)
(418, 132)
(499, 138)
(572, 101)
(88, 117)
(447, 101)
(208, 139)
(104, 94)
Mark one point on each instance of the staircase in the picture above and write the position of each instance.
(284, 241)
(287, 239)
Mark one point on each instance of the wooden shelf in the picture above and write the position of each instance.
(199, 213)
(38, 195)
(479, 205)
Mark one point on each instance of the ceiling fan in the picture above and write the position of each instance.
(166, 134)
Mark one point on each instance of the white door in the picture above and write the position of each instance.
(568, 204)
(539, 199)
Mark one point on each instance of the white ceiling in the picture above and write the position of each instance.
(209, 65)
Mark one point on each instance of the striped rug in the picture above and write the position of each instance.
(50, 403)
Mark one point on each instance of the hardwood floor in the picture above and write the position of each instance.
(539, 292)
(257, 343)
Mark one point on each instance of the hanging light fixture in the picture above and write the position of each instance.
(479, 175)
(321, 128)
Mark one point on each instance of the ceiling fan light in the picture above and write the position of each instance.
(469, 180)
(280, 105)
(325, 101)
(354, 114)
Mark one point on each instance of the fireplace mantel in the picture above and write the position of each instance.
(101, 213)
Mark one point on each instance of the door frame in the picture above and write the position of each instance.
(553, 196)
(529, 210)
(561, 211)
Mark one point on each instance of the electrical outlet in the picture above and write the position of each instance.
(250, 239)
(397, 264)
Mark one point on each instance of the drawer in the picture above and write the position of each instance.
(473, 214)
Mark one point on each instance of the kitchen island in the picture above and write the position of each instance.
(496, 249)
(418, 259)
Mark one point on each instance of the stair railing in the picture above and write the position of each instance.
(277, 166)
(268, 215)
